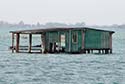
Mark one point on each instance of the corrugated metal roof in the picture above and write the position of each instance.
(42, 30)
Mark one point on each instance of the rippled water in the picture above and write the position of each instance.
(63, 68)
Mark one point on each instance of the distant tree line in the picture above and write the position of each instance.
(40, 25)
(110, 26)
(5, 24)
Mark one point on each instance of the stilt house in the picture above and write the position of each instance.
(66, 40)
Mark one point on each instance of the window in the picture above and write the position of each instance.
(74, 38)
(63, 40)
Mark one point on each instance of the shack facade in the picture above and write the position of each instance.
(67, 40)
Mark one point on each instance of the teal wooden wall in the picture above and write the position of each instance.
(51, 37)
(76, 47)
(105, 40)
(54, 36)
(93, 39)
(96, 39)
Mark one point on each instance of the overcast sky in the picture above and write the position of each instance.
(91, 12)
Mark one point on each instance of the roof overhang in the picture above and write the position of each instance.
(43, 30)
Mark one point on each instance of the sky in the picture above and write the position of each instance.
(99, 12)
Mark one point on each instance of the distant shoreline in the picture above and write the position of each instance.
(55, 24)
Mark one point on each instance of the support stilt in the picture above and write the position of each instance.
(91, 51)
(103, 51)
(88, 51)
(85, 51)
(106, 51)
(12, 42)
(99, 51)
(110, 51)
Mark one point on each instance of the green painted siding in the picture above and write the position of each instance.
(105, 40)
(76, 46)
(51, 37)
(93, 39)
(67, 41)
(54, 36)
(96, 39)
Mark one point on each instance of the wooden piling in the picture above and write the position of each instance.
(88, 51)
(91, 51)
(41, 44)
(99, 51)
(106, 51)
(12, 42)
(110, 51)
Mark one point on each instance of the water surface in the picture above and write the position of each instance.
(62, 68)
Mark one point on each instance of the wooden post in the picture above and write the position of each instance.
(110, 51)
(83, 37)
(110, 42)
(70, 40)
(88, 51)
(99, 51)
(91, 51)
(12, 42)
(30, 43)
(43, 43)
(85, 51)
(17, 42)
(106, 51)
(102, 51)
(59, 42)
